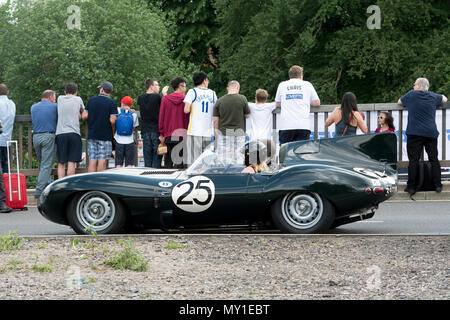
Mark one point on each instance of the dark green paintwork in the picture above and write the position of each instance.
(322, 166)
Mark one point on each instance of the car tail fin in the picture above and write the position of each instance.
(379, 148)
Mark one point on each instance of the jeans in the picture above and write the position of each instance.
(4, 159)
(414, 146)
(176, 155)
(151, 143)
(2, 190)
(44, 144)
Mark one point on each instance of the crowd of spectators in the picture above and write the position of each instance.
(187, 123)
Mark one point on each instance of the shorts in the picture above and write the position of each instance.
(99, 149)
(68, 147)
(125, 152)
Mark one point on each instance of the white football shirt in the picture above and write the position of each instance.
(295, 96)
(202, 102)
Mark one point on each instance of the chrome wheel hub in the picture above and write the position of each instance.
(302, 211)
(95, 210)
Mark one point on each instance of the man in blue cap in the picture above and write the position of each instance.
(101, 114)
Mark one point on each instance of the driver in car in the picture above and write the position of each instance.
(257, 155)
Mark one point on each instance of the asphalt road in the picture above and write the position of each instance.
(405, 217)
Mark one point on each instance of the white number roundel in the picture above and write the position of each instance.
(194, 195)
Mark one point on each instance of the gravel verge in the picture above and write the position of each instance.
(254, 267)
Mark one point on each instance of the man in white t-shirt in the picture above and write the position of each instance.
(260, 122)
(295, 97)
(199, 102)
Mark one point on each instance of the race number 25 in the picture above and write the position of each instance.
(194, 195)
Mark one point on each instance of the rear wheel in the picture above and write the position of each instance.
(97, 212)
(302, 213)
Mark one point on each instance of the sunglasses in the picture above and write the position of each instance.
(381, 117)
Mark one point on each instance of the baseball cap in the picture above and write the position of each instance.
(107, 86)
(127, 100)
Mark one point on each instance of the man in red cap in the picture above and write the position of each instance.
(126, 123)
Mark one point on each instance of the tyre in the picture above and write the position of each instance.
(97, 212)
(303, 213)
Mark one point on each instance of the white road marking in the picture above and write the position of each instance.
(371, 221)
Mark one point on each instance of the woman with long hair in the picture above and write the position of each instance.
(386, 122)
(347, 118)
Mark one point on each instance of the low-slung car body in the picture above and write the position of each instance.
(311, 187)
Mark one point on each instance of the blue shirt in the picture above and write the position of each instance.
(422, 112)
(7, 116)
(99, 109)
(44, 115)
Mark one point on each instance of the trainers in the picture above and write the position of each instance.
(410, 190)
(5, 209)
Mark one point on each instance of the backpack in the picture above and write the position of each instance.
(124, 123)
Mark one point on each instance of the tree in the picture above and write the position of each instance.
(331, 40)
(4, 38)
(90, 42)
(193, 30)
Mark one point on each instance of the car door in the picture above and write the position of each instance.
(211, 198)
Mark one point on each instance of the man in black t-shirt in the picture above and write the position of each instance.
(149, 104)
(101, 113)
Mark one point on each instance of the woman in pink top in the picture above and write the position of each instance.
(386, 122)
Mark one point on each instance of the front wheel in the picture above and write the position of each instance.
(303, 213)
(97, 212)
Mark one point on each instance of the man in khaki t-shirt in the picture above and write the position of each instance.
(229, 116)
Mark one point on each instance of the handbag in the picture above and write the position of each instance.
(162, 149)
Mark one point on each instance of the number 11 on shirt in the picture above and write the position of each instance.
(205, 105)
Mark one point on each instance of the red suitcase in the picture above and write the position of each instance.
(15, 186)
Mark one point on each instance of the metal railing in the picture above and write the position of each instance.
(23, 128)
(371, 108)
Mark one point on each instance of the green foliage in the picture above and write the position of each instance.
(128, 259)
(173, 246)
(193, 27)
(120, 41)
(331, 40)
(41, 268)
(11, 241)
(4, 37)
(252, 41)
